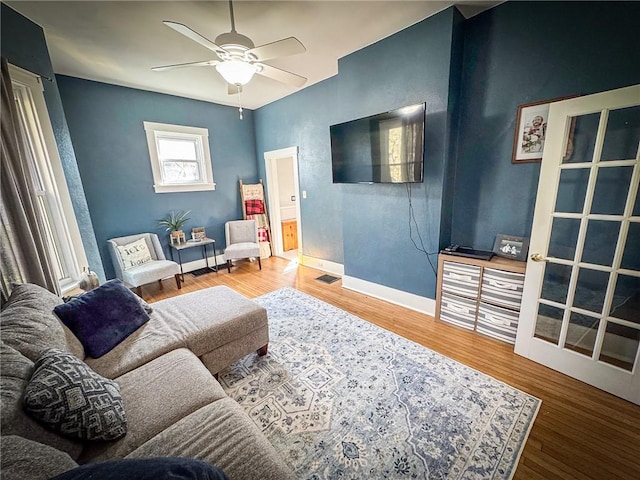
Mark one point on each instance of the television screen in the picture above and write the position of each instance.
(383, 148)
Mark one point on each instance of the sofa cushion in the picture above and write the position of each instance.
(103, 317)
(24, 459)
(222, 434)
(201, 321)
(16, 372)
(173, 468)
(207, 319)
(28, 323)
(157, 395)
(67, 396)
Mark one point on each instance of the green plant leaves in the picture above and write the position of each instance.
(175, 220)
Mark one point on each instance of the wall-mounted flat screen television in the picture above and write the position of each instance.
(383, 148)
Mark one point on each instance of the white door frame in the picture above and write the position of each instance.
(615, 380)
(270, 163)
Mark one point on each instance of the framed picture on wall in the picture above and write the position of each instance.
(531, 131)
(508, 246)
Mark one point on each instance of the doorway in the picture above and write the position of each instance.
(281, 168)
(581, 301)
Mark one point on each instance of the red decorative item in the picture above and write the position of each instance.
(254, 207)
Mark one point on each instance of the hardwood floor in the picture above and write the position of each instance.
(580, 432)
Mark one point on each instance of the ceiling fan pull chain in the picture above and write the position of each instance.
(239, 100)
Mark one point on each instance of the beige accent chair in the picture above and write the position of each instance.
(242, 241)
(157, 269)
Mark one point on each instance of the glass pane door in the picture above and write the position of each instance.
(586, 296)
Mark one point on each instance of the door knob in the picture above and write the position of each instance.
(536, 257)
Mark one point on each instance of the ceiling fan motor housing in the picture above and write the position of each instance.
(234, 43)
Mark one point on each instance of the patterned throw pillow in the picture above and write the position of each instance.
(134, 254)
(69, 397)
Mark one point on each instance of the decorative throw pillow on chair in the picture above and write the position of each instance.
(69, 397)
(134, 254)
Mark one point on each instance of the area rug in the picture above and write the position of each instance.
(341, 398)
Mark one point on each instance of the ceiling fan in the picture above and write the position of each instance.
(238, 58)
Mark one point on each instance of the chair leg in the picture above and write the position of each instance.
(229, 266)
(139, 291)
(178, 282)
(259, 263)
(262, 351)
(160, 283)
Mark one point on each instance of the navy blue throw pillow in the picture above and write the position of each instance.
(103, 317)
(166, 468)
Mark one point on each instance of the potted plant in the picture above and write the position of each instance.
(174, 223)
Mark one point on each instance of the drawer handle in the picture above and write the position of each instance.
(506, 286)
(457, 308)
(496, 321)
(457, 276)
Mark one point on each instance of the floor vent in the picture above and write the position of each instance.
(328, 278)
(201, 271)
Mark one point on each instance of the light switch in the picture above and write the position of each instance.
(304, 194)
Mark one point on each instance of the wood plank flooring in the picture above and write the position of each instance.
(580, 432)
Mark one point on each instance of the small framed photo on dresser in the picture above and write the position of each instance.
(508, 246)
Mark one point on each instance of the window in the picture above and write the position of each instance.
(180, 158)
(61, 229)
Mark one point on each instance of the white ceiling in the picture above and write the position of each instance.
(119, 42)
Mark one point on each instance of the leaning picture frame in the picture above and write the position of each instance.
(531, 129)
(508, 246)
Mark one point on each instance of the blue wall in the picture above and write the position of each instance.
(106, 124)
(473, 74)
(367, 227)
(303, 120)
(24, 45)
(522, 52)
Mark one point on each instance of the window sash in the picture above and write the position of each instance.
(175, 173)
(53, 201)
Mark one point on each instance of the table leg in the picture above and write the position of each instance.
(180, 262)
(206, 258)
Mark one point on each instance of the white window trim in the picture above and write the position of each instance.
(64, 220)
(151, 128)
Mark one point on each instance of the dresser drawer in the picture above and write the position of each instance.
(461, 279)
(497, 322)
(502, 288)
(458, 311)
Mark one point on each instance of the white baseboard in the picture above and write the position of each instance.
(324, 265)
(196, 264)
(391, 295)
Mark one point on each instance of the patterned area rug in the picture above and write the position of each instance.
(341, 398)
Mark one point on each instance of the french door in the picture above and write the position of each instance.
(581, 301)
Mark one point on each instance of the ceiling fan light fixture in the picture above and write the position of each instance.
(236, 72)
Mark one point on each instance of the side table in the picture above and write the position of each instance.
(190, 244)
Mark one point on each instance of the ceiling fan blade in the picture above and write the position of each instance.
(280, 75)
(206, 63)
(280, 48)
(195, 36)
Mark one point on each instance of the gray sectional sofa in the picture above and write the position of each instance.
(165, 372)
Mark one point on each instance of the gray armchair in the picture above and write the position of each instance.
(242, 241)
(155, 269)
